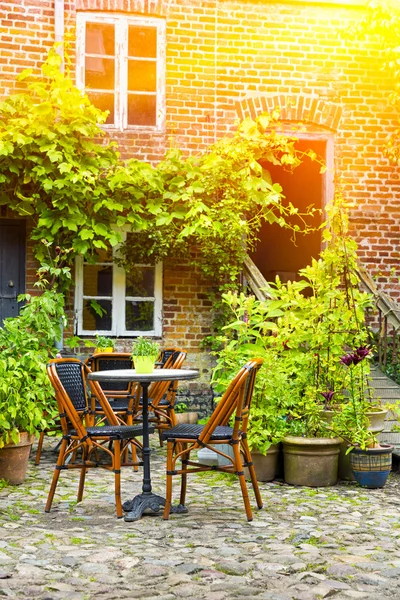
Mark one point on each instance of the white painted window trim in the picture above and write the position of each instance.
(118, 303)
(121, 23)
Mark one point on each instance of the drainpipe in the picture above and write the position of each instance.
(59, 28)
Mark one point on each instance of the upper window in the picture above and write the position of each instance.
(121, 67)
(111, 301)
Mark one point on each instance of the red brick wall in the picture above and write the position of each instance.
(227, 59)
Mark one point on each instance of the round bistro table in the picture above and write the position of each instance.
(147, 500)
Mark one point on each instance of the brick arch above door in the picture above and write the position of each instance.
(302, 108)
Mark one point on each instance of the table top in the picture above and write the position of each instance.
(156, 375)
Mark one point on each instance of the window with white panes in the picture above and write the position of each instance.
(121, 67)
(114, 302)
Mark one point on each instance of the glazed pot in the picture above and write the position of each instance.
(14, 459)
(371, 467)
(311, 461)
(101, 350)
(144, 365)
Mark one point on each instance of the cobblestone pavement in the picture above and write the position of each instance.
(341, 542)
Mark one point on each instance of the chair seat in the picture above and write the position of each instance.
(192, 432)
(116, 432)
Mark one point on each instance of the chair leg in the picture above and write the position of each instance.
(242, 480)
(83, 476)
(117, 477)
(252, 472)
(134, 456)
(56, 475)
(185, 459)
(39, 448)
(168, 487)
(160, 432)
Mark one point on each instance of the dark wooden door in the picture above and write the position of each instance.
(12, 266)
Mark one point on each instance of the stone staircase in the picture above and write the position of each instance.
(389, 392)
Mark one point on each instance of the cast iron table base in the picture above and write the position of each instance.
(148, 502)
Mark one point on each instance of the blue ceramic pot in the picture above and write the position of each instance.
(371, 467)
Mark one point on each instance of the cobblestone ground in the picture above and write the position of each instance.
(341, 542)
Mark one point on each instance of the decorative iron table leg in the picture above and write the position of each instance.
(148, 502)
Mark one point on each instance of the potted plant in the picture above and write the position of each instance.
(144, 354)
(248, 335)
(369, 461)
(303, 331)
(104, 344)
(184, 415)
(27, 404)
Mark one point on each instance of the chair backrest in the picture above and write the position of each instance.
(67, 376)
(158, 389)
(235, 401)
(69, 379)
(166, 356)
(110, 361)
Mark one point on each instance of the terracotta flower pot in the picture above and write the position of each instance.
(265, 465)
(187, 417)
(376, 418)
(14, 459)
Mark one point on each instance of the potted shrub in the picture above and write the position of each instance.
(369, 461)
(302, 331)
(104, 344)
(144, 354)
(184, 415)
(27, 404)
(248, 335)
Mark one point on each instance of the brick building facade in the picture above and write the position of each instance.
(214, 62)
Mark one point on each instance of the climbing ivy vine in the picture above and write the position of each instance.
(56, 169)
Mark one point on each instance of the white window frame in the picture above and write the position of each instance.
(118, 302)
(121, 23)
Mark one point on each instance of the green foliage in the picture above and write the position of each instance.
(103, 342)
(214, 203)
(301, 333)
(53, 171)
(26, 344)
(73, 342)
(181, 407)
(145, 347)
(79, 194)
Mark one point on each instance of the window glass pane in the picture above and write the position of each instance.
(100, 38)
(97, 280)
(99, 73)
(104, 102)
(140, 282)
(142, 41)
(142, 76)
(139, 316)
(92, 321)
(141, 109)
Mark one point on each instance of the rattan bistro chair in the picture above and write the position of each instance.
(184, 439)
(86, 444)
(120, 394)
